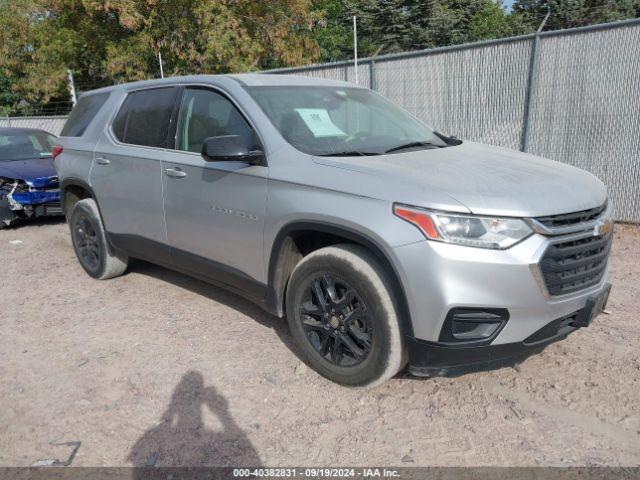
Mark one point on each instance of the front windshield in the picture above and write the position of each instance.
(25, 145)
(341, 121)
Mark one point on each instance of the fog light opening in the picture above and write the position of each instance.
(464, 330)
(473, 325)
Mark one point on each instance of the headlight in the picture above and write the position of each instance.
(471, 230)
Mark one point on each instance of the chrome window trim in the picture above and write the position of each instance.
(111, 134)
(112, 137)
(229, 97)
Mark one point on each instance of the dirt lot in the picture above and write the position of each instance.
(157, 368)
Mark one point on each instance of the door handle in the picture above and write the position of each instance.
(175, 173)
(102, 161)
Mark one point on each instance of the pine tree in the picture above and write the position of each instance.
(391, 26)
(575, 13)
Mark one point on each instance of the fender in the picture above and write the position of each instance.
(276, 292)
(73, 181)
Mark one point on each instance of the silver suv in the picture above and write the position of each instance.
(383, 242)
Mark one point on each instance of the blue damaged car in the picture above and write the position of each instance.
(28, 180)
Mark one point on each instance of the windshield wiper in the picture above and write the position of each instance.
(353, 153)
(412, 145)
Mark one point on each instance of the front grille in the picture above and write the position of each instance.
(568, 219)
(52, 208)
(572, 265)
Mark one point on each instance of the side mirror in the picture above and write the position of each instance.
(448, 139)
(230, 148)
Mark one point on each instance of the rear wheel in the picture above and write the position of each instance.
(342, 313)
(90, 242)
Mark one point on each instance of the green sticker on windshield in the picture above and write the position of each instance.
(319, 122)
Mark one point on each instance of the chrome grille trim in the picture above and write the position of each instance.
(544, 225)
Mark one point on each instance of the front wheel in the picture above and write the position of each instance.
(342, 313)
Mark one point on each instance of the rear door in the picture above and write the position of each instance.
(126, 173)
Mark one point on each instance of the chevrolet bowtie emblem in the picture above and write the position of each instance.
(603, 227)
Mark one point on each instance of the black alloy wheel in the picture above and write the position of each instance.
(87, 242)
(335, 321)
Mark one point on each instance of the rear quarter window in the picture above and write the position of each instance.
(143, 118)
(83, 113)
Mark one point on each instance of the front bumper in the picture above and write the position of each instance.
(434, 359)
(438, 277)
(29, 205)
(36, 197)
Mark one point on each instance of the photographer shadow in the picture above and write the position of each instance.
(183, 440)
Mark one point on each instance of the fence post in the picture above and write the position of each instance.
(372, 74)
(528, 97)
(531, 83)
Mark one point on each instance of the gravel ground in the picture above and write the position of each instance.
(158, 368)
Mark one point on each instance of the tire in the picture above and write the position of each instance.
(6, 214)
(351, 336)
(90, 242)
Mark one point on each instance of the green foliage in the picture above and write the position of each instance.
(334, 33)
(8, 99)
(108, 41)
(492, 21)
(450, 20)
(575, 13)
(389, 26)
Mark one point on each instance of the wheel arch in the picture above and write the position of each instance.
(73, 190)
(289, 247)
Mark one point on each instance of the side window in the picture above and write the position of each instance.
(143, 118)
(81, 116)
(205, 113)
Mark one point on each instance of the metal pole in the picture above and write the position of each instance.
(72, 87)
(355, 47)
(372, 68)
(160, 61)
(531, 80)
(372, 74)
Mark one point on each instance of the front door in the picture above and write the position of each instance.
(214, 210)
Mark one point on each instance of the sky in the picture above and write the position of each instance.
(507, 4)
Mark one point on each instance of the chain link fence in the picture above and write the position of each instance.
(568, 95)
(51, 124)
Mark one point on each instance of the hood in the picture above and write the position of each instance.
(486, 180)
(35, 171)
